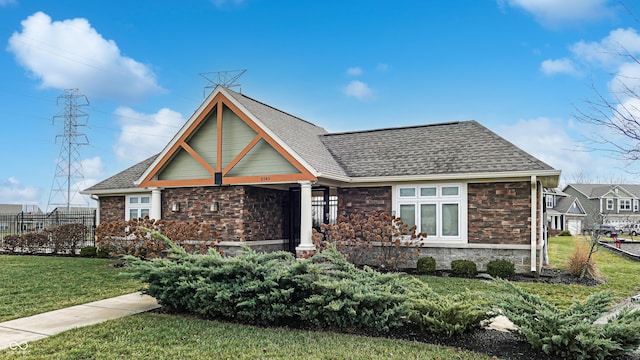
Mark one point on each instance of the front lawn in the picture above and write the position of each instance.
(35, 284)
(158, 336)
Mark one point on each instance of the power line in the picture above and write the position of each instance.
(68, 176)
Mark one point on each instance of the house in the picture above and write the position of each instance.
(614, 204)
(253, 170)
(564, 212)
(19, 218)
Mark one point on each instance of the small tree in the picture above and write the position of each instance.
(357, 237)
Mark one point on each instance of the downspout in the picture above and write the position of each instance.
(534, 221)
(97, 199)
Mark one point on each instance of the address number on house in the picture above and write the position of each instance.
(265, 178)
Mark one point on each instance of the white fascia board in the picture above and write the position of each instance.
(271, 134)
(524, 175)
(114, 192)
(180, 132)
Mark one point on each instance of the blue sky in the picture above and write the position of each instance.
(519, 67)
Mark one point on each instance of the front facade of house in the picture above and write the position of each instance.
(564, 212)
(253, 171)
(613, 204)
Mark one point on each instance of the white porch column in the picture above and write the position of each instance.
(156, 204)
(306, 246)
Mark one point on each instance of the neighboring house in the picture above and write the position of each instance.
(253, 171)
(16, 218)
(564, 212)
(614, 204)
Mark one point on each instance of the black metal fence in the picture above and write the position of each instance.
(25, 222)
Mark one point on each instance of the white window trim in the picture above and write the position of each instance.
(128, 206)
(625, 202)
(549, 200)
(608, 201)
(460, 199)
(635, 205)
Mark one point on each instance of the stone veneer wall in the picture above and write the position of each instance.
(112, 208)
(499, 213)
(245, 213)
(364, 200)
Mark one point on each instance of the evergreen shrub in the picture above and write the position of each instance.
(464, 268)
(426, 265)
(571, 333)
(501, 268)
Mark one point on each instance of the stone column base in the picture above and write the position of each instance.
(305, 253)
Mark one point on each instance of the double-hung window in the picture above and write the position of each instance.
(549, 200)
(624, 204)
(138, 206)
(609, 204)
(433, 209)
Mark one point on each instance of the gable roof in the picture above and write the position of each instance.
(301, 136)
(564, 204)
(123, 181)
(596, 191)
(436, 151)
(448, 148)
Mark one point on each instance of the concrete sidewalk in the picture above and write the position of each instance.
(17, 333)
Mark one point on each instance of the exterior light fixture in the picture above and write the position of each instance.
(175, 207)
(214, 207)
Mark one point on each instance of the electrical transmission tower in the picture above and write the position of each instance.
(68, 177)
(223, 78)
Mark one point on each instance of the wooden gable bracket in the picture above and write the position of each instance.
(219, 173)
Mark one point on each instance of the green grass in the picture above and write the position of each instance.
(36, 284)
(622, 277)
(157, 336)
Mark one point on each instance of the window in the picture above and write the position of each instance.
(138, 206)
(549, 199)
(635, 205)
(624, 204)
(609, 204)
(435, 210)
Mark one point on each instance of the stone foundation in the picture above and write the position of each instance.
(233, 248)
(481, 255)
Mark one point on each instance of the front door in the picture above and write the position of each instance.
(320, 202)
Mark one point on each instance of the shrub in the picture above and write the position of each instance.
(67, 238)
(88, 251)
(450, 315)
(13, 242)
(133, 237)
(578, 260)
(501, 268)
(358, 237)
(103, 252)
(324, 290)
(426, 265)
(564, 233)
(464, 268)
(571, 333)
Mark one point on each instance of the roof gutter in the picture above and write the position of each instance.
(549, 178)
(114, 191)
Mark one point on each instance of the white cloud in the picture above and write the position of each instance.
(611, 51)
(549, 140)
(72, 54)
(144, 135)
(354, 71)
(359, 90)
(92, 167)
(12, 191)
(560, 66)
(554, 13)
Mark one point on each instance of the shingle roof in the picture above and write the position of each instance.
(563, 204)
(124, 179)
(447, 148)
(595, 191)
(302, 136)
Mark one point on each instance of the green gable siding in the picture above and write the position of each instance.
(263, 160)
(236, 135)
(183, 166)
(205, 139)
